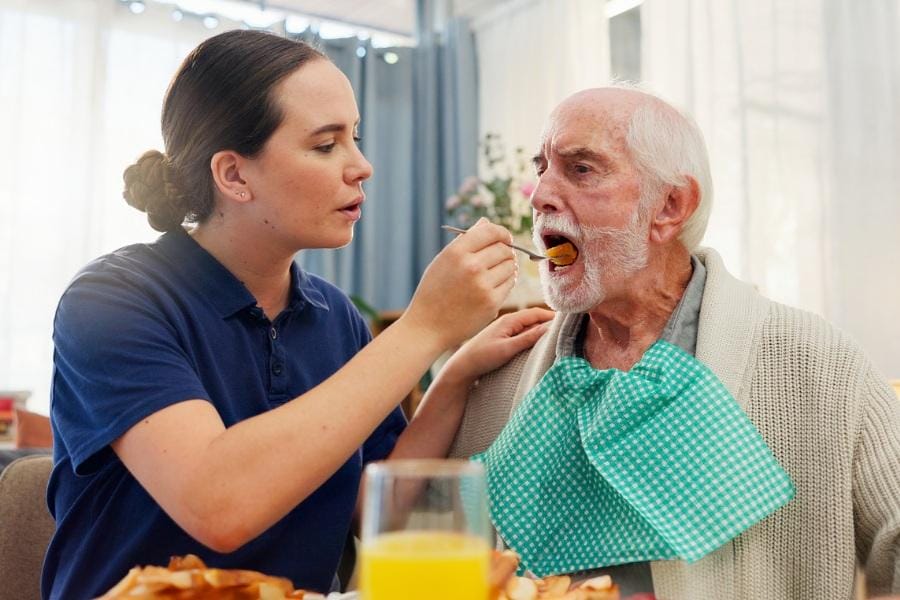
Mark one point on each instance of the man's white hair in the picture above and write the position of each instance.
(667, 146)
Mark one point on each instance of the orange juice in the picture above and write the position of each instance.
(413, 565)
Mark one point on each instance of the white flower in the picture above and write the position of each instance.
(519, 204)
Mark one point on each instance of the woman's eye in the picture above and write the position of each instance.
(326, 148)
(357, 139)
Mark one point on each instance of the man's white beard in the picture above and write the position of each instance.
(603, 251)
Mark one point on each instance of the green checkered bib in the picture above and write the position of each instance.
(598, 468)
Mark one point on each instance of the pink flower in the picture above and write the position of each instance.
(527, 188)
(479, 201)
(451, 202)
(469, 185)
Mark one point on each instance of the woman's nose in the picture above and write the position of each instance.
(360, 169)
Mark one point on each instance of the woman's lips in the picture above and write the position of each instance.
(352, 211)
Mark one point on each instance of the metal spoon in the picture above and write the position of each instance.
(532, 255)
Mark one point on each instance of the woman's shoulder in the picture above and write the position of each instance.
(132, 274)
(335, 306)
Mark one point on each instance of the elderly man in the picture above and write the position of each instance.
(674, 427)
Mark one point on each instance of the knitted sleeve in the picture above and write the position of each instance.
(488, 408)
(876, 487)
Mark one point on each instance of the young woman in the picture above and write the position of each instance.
(209, 397)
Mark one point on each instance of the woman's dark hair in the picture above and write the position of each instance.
(221, 98)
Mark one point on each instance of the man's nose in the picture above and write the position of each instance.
(544, 199)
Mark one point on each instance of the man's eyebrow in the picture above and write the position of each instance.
(582, 153)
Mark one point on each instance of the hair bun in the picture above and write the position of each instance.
(150, 187)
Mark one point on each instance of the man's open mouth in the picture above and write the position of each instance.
(561, 251)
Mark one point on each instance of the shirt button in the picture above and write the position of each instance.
(272, 333)
(277, 369)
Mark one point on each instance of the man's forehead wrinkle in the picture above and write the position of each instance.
(598, 132)
(595, 119)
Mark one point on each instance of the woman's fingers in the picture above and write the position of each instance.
(464, 286)
(501, 273)
(522, 319)
(480, 236)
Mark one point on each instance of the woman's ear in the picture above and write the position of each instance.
(680, 204)
(226, 171)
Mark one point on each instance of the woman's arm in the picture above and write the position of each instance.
(437, 420)
(226, 486)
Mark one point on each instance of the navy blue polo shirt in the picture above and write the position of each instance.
(151, 325)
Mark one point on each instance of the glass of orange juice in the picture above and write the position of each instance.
(425, 531)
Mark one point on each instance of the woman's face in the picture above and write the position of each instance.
(306, 183)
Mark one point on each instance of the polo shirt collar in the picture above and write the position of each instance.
(304, 290)
(219, 286)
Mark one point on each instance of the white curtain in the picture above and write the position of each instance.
(531, 55)
(800, 105)
(81, 87)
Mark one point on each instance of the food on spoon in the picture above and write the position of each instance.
(562, 255)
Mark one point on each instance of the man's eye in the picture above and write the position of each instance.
(581, 169)
(325, 148)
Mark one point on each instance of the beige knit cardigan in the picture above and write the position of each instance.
(832, 422)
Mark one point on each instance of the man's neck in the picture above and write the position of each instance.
(266, 274)
(624, 325)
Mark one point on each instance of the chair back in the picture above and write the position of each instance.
(25, 526)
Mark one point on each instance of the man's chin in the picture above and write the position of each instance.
(575, 300)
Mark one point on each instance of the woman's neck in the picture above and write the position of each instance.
(264, 270)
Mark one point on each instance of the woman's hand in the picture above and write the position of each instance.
(497, 344)
(464, 286)
(435, 424)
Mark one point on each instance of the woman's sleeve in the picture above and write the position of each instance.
(117, 359)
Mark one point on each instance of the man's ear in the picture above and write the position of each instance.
(226, 171)
(679, 205)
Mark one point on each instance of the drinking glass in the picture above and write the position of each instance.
(425, 531)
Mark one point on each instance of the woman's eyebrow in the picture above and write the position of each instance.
(334, 128)
(330, 128)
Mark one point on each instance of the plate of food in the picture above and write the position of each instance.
(506, 585)
(189, 578)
